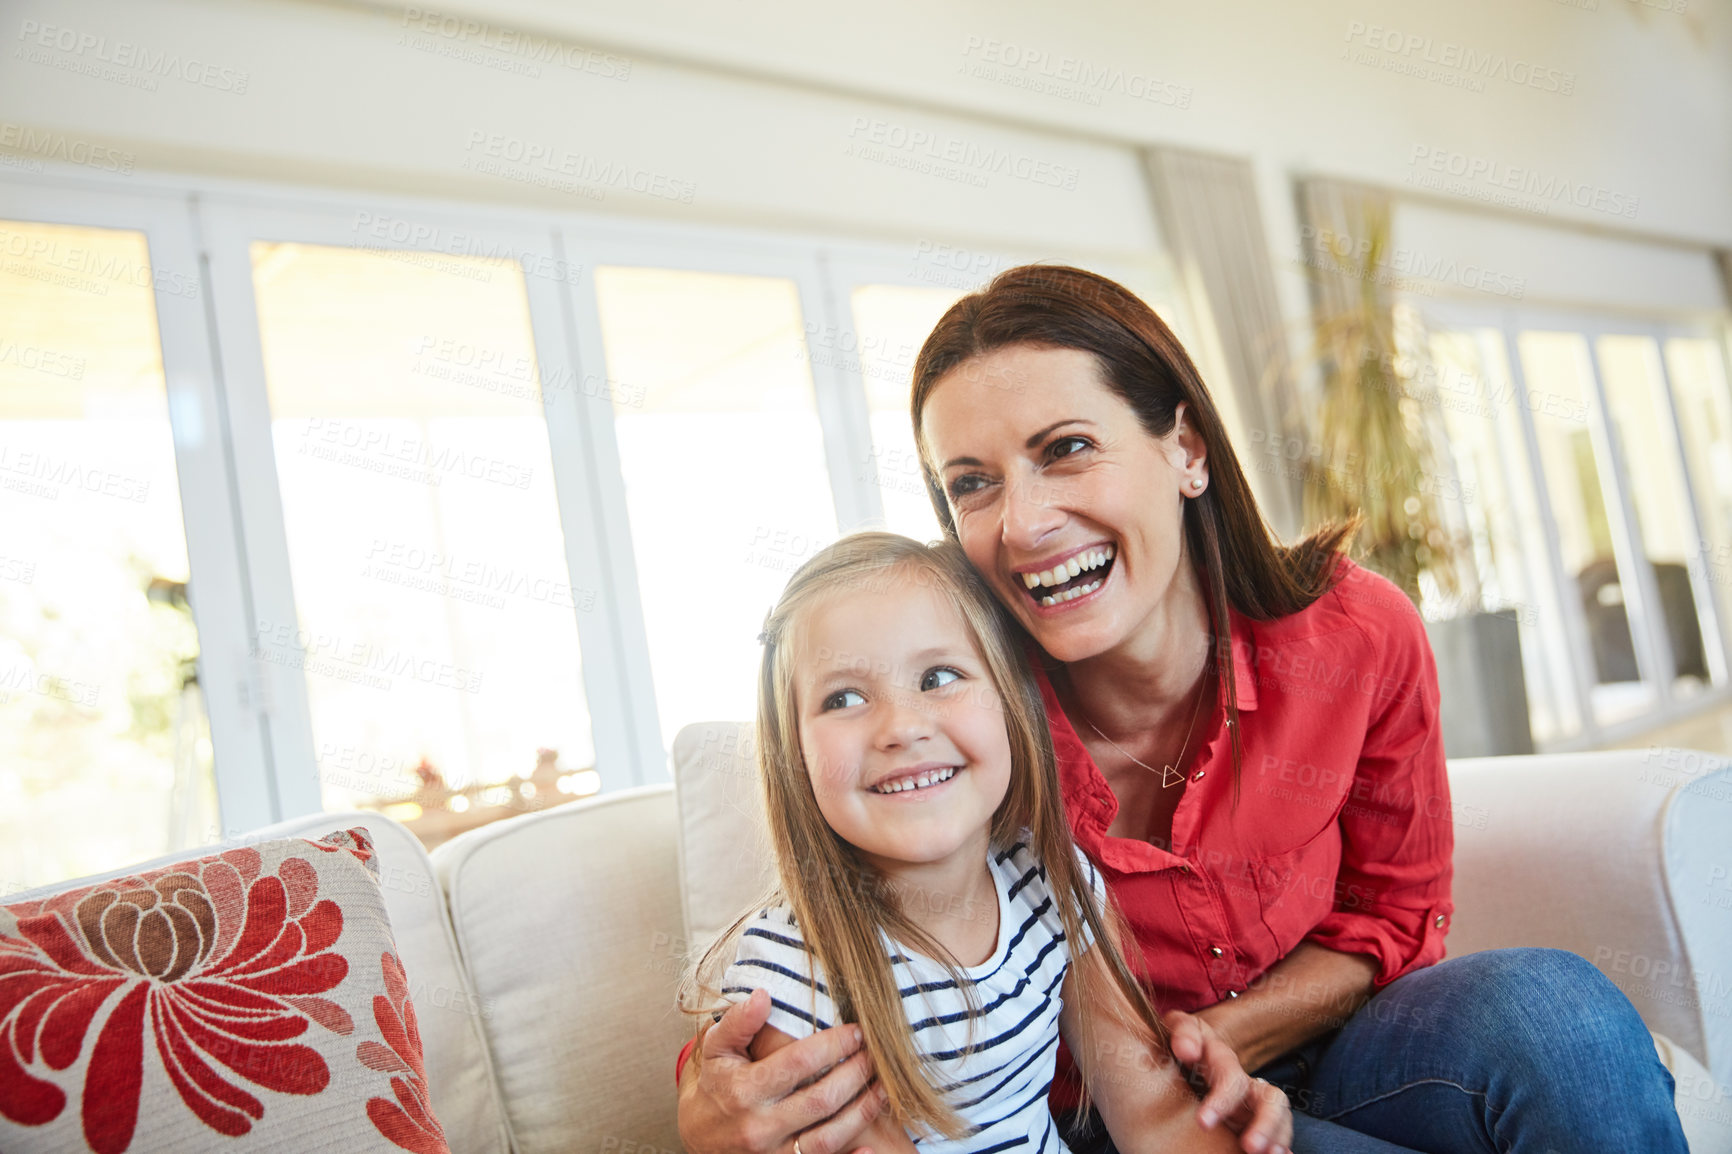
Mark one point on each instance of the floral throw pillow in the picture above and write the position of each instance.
(247, 1001)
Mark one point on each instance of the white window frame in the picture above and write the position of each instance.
(250, 791)
(1646, 621)
(622, 722)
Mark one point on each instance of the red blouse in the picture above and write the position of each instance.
(1343, 830)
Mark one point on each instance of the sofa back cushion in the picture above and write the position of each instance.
(1620, 857)
(569, 923)
(251, 999)
(725, 858)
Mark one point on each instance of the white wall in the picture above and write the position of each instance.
(753, 106)
(333, 97)
(1508, 261)
(1650, 113)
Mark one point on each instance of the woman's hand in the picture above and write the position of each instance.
(732, 1104)
(1257, 1111)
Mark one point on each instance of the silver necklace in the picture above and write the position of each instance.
(1169, 775)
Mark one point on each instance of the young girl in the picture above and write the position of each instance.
(928, 888)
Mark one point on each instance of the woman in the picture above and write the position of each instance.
(1249, 743)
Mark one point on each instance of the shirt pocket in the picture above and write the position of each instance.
(1295, 802)
(1296, 889)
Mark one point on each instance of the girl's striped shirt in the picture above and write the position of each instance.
(999, 1083)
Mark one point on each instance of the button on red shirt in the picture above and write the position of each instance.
(1343, 829)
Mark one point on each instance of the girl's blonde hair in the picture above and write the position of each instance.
(840, 902)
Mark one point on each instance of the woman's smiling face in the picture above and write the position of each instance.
(1044, 467)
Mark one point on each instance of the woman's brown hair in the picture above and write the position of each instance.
(840, 902)
(1240, 564)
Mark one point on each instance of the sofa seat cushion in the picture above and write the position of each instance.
(251, 999)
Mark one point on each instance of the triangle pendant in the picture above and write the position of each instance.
(1170, 777)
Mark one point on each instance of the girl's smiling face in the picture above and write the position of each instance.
(1061, 499)
(901, 728)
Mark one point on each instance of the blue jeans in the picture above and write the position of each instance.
(1522, 1051)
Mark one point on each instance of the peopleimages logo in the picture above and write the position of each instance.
(952, 157)
(1067, 77)
(531, 49)
(1446, 170)
(58, 146)
(35, 358)
(88, 268)
(1338, 252)
(25, 678)
(495, 154)
(154, 63)
(381, 451)
(1419, 52)
(41, 475)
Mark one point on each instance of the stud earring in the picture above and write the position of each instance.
(1196, 484)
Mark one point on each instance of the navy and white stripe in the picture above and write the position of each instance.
(996, 1064)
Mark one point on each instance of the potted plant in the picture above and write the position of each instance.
(1378, 452)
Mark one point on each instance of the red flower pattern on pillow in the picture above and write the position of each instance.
(408, 1122)
(354, 840)
(220, 965)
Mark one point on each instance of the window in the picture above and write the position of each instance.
(892, 322)
(435, 620)
(1507, 527)
(1704, 412)
(1559, 375)
(722, 456)
(478, 513)
(1586, 450)
(1666, 533)
(103, 734)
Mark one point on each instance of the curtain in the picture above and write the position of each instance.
(1208, 211)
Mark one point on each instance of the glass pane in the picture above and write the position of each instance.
(437, 624)
(1636, 396)
(725, 477)
(104, 751)
(892, 322)
(1558, 379)
(1494, 500)
(1704, 410)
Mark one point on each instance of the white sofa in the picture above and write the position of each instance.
(543, 952)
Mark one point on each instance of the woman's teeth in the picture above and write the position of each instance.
(1069, 571)
(903, 785)
(1071, 594)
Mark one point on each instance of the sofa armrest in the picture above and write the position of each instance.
(1580, 852)
(1698, 837)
